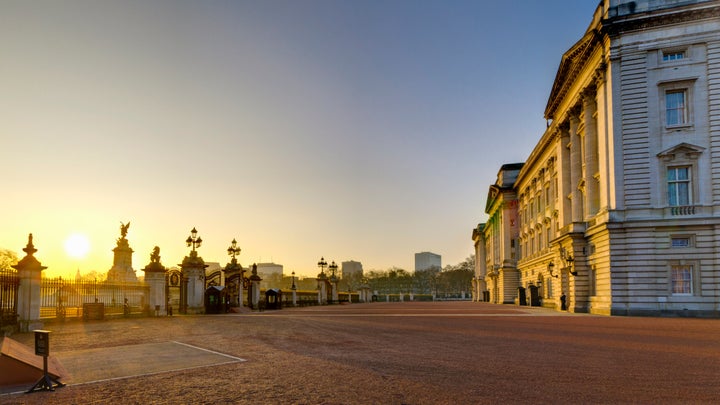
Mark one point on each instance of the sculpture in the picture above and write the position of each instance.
(155, 255)
(124, 229)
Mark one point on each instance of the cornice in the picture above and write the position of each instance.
(640, 21)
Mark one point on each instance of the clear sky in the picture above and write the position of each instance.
(355, 130)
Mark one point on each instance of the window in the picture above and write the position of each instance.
(679, 186)
(675, 107)
(680, 242)
(548, 231)
(681, 279)
(673, 55)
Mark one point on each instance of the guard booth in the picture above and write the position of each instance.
(215, 300)
(273, 299)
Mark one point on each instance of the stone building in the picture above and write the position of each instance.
(618, 204)
(427, 260)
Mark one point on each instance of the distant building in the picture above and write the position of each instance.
(427, 260)
(271, 275)
(350, 268)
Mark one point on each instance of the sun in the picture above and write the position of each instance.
(77, 245)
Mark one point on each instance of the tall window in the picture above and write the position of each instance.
(679, 186)
(681, 279)
(675, 107)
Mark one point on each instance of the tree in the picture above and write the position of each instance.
(8, 258)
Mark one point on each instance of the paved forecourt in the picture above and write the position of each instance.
(404, 352)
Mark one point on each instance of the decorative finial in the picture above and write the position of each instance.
(30, 248)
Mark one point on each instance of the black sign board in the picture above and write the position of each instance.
(42, 342)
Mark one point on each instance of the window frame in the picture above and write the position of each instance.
(692, 269)
(685, 87)
(666, 55)
(674, 182)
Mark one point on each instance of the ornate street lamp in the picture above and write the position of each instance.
(194, 240)
(322, 263)
(568, 260)
(551, 267)
(233, 251)
(333, 267)
(293, 281)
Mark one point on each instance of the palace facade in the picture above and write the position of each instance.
(617, 209)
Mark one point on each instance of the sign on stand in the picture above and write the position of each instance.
(42, 348)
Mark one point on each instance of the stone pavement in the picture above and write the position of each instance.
(395, 353)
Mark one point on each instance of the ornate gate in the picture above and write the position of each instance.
(175, 292)
(9, 285)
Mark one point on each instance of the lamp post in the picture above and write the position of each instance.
(551, 267)
(233, 251)
(334, 282)
(194, 240)
(322, 263)
(322, 282)
(294, 290)
(568, 260)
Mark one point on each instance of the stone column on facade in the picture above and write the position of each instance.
(575, 168)
(30, 274)
(480, 261)
(604, 142)
(193, 270)
(155, 279)
(564, 174)
(591, 150)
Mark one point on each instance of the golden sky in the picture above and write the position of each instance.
(353, 130)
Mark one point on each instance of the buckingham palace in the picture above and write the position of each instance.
(616, 210)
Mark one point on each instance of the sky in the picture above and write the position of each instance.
(351, 130)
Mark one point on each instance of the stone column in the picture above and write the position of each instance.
(565, 173)
(480, 261)
(575, 168)
(322, 288)
(334, 285)
(193, 270)
(30, 274)
(294, 295)
(155, 278)
(591, 151)
(255, 288)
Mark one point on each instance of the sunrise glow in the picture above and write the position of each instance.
(77, 246)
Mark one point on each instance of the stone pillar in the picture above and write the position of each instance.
(254, 288)
(322, 288)
(30, 274)
(412, 296)
(591, 152)
(193, 270)
(480, 262)
(334, 285)
(564, 173)
(155, 278)
(575, 168)
(294, 295)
